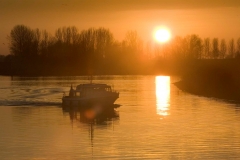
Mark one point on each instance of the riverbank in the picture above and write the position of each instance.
(218, 80)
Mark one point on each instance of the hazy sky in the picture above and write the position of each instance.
(207, 18)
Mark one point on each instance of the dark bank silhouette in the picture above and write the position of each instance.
(68, 52)
(218, 79)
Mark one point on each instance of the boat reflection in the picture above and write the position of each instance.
(162, 94)
(95, 114)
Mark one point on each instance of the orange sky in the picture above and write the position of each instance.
(207, 18)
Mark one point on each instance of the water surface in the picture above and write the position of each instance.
(155, 121)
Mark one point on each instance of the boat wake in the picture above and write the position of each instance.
(28, 103)
(22, 96)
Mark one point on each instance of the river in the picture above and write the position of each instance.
(156, 120)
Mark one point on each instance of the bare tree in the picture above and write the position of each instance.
(104, 39)
(96, 42)
(215, 48)
(132, 39)
(87, 38)
(223, 49)
(45, 43)
(177, 49)
(22, 40)
(231, 48)
(238, 48)
(206, 48)
(59, 35)
(36, 41)
(75, 38)
(185, 46)
(195, 47)
(133, 42)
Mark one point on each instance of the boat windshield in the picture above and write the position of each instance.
(94, 88)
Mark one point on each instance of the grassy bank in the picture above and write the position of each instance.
(213, 78)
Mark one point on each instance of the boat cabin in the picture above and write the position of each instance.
(85, 89)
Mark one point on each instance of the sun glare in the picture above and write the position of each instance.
(162, 35)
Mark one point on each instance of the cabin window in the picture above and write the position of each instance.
(78, 94)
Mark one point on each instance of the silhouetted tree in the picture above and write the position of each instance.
(104, 40)
(87, 38)
(231, 48)
(223, 49)
(133, 45)
(80, 52)
(186, 46)
(195, 47)
(215, 48)
(238, 48)
(178, 51)
(133, 41)
(36, 42)
(45, 43)
(207, 48)
(23, 41)
(67, 43)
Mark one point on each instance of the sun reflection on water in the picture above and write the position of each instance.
(162, 94)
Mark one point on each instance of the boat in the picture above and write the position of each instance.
(90, 94)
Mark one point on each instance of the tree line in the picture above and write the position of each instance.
(194, 47)
(95, 51)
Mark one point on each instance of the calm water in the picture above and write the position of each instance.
(156, 121)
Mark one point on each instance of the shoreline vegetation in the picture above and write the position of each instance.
(219, 79)
(68, 51)
(208, 67)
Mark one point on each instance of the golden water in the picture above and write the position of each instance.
(155, 121)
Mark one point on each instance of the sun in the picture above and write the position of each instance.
(162, 35)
